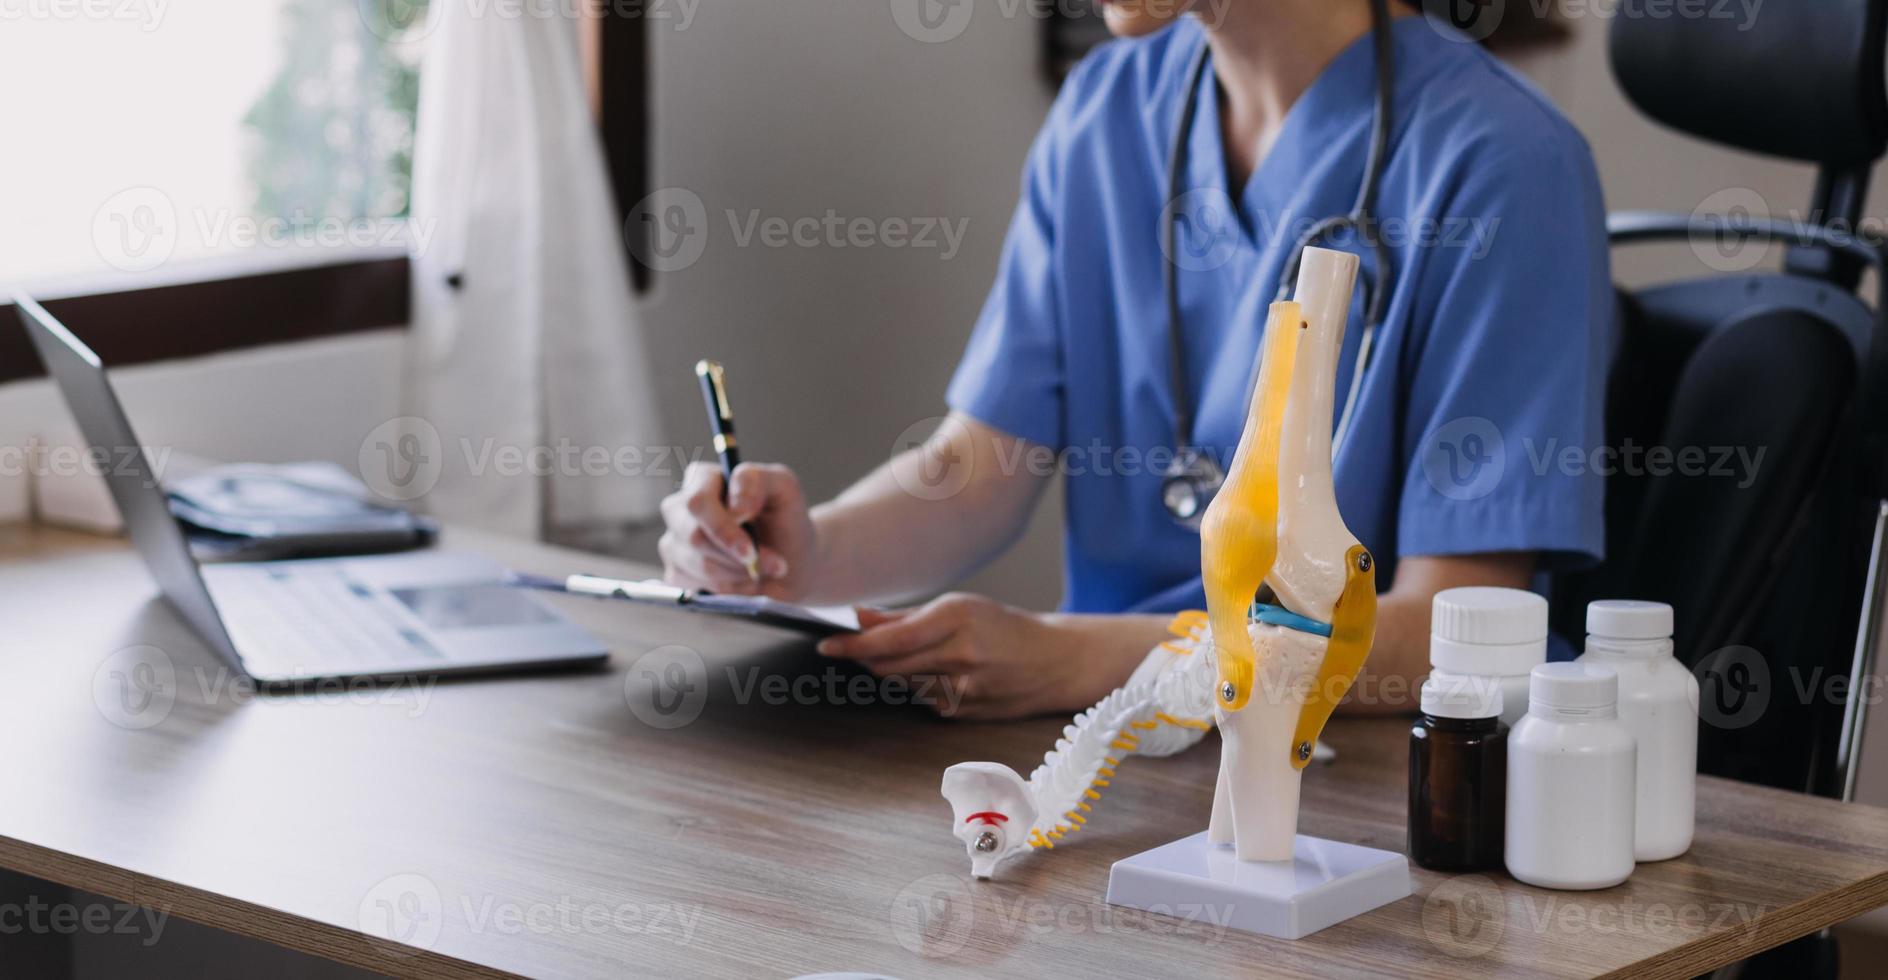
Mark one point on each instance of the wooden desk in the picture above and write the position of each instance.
(535, 825)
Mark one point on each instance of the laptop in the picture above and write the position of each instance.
(428, 613)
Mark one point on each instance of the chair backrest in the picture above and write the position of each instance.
(1734, 401)
(1800, 79)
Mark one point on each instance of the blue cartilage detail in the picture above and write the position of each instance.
(1271, 615)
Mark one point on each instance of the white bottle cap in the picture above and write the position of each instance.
(1573, 685)
(1448, 695)
(1488, 631)
(1629, 619)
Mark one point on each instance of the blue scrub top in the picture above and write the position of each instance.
(1488, 366)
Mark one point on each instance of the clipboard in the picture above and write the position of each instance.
(811, 620)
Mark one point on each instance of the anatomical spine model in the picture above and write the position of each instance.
(1271, 674)
(1165, 707)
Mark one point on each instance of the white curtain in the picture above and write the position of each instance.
(525, 355)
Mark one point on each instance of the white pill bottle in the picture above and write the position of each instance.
(1496, 634)
(1658, 701)
(1570, 782)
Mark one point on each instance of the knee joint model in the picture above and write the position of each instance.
(1269, 674)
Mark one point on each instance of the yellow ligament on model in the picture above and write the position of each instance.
(1353, 629)
(1239, 536)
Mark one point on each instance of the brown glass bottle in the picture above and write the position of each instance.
(1458, 788)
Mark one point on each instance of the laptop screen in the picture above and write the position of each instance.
(129, 475)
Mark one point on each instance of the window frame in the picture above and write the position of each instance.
(352, 291)
(616, 66)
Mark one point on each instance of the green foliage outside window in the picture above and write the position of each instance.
(332, 135)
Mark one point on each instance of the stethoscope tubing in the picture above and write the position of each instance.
(1360, 218)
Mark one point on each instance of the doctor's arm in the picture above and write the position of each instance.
(999, 662)
(928, 516)
(917, 523)
(920, 521)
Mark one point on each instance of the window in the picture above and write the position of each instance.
(148, 136)
(183, 177)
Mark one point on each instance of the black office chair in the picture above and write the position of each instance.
(1767, 580)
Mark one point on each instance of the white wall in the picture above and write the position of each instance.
(797, 108)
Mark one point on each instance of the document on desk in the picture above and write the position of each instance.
(815, 620)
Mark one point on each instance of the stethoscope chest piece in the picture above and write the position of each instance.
(1189, 484)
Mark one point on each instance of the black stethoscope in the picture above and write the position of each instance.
(1194, 477)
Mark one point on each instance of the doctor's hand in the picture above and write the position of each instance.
(994, 661)
(705, 546)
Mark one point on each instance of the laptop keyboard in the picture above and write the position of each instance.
(317, 621)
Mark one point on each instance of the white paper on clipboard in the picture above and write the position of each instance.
(760, 609)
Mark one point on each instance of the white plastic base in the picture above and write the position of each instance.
(1325, 883)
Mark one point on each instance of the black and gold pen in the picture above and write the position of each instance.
(714, 394)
